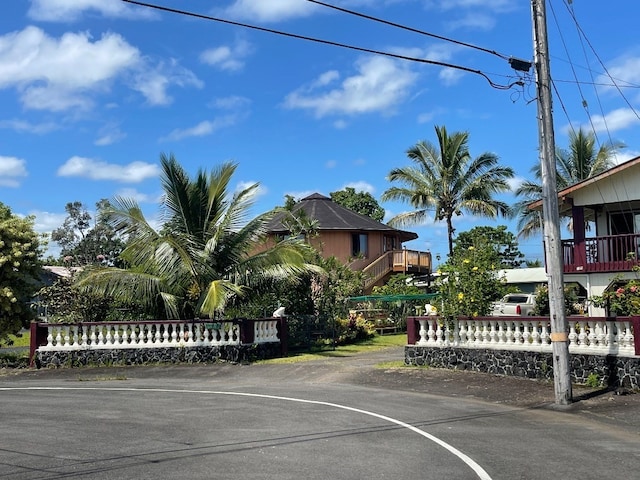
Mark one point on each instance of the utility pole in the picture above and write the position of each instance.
(551, 216)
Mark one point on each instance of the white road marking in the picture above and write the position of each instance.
(480, 472)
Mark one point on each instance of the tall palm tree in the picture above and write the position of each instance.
(206, 252)
(582, 160)
(445, 179)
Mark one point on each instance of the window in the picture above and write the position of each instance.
(359, 245)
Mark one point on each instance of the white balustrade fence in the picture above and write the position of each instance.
(161, 334)
(586, 335)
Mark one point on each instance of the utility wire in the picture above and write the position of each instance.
(571, 13)
(410, 29)
(326, 42)
(573, 71)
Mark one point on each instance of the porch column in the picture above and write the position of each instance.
(580, 246)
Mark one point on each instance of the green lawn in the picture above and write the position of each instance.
(21, 341)
(378, 342)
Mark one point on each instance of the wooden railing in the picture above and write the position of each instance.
(405, 261)
(613, 253)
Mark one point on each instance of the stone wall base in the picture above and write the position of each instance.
(146, 356)
(611, 371)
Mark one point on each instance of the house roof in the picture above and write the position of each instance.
(568, 192)
(333, 216)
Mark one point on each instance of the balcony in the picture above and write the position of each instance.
(397, 261)
(613, 253)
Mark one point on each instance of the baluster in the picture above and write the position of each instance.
(85, 336)
(109, 335)
(463, 333)
(174, 333)
(165, 334)
(535, 333)
(526, 333)
(439, 338)
(93, 336)
(157, 338)
(493, 333)
(628, 339)
(50, 336)
(116, 335)
(583, 335)
(518, 338)
(100, 335)
(431, 333)
(422, 333)
(507, 333)
(601, 334)
(573, 336)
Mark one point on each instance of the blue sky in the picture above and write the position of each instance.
(93, 91)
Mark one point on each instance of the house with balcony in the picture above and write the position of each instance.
(356, 240)
(605, 224)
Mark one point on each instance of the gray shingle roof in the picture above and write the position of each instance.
(333, 216)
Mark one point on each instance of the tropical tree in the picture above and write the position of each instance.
(84, 243)
(444, 178)
(582, 160)
(20, 249)
(497, 239)
(359, 202)
(206, 252)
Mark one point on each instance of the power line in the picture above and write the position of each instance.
(410, 29)
(518, 82)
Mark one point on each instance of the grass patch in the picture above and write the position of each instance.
(23, 340)
(378, 342)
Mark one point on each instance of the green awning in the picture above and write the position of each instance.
(392, 298)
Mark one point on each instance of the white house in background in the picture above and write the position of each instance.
(525, 279)
(605, 212)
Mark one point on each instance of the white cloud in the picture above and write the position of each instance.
(109, 134)
(228, 58)
(92, 169)
(22, 126)
(232, 102)
(138, 196)
(11, 170)
(380, 85)
(153, 82)
(623, 70)
(270, 11)
(450, 76)
(475, 21)
(360, 186)
(495, 5)
(615, 120)
(56, 74)
(71, 10)
(61, 74)
(202, 129)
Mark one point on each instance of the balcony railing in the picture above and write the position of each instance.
(613, 253)
(406, 261)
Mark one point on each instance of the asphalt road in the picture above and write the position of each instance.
(339, 418)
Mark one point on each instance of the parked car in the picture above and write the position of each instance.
(515, 305)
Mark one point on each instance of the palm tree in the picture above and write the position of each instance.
(206, 252)
(582, 160)
(445, 179)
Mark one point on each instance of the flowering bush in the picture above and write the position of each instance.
(467, 283)
(571, 301)
(354, 328)
(623, 299)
